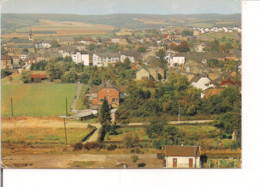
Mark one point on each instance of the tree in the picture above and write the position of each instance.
(105, 115)
(214, 45)
(130, 140)
(161, 56)
(26, 77)
(54, 71)
(4, 73)
(54, 44)
(178, 81)
(141, 49)
(70, 76)
(183, 47)
(187, 33)
(25, 51)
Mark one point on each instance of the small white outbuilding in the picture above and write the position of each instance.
(182, 156)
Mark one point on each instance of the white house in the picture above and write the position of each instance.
(182, 156)
(103, 59)
(64, 53)
(115, 40)
(80, 58)
(172, 60)
(203, 83)
(23, 57)
(45, 45)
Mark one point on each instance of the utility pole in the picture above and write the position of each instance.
(66, 108)
(179, 112)
(12, 107)
(65, 131)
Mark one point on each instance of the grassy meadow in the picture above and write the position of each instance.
(36, 99)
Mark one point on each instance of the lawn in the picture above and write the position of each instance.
(140, 132)
(36, 99)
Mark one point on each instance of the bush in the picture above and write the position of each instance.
(134, 158)
(37, 80)
(141, 165)
(10, 78)
(93, 145)
(112, 147)
(160, 155)
(77, 146)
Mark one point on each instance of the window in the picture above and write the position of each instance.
(101, 100)
(113, 100)
(107, 91)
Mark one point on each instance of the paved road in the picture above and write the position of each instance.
(175, 122)
(73, 105)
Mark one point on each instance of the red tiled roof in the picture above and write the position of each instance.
(6, 57)
(39, 76)
(174, 150)
(108, 84)
(230, 82)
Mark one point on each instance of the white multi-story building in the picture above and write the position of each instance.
(80, 58)
(103, 59)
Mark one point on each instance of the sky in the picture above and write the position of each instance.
(101, 7)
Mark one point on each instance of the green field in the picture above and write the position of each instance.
(36, 99)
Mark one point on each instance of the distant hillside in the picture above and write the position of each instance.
(11, 22)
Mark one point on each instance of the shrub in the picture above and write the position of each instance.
(77, 146)
(37, 80)
(141, 165)
(93, 145)
(10, 78)
(134, 158)
(112, 147)
(160, 155)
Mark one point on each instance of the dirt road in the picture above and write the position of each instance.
(176, 122)
(95, 136)
(80, 160)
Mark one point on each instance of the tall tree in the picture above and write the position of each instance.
(105, 115)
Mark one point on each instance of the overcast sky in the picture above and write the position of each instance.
(94, 7)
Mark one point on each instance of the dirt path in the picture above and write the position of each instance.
(176, 122)
(73, 105)
(94, 136)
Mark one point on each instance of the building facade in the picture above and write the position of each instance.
(182, 156)
(81, 58)
(109, 91)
